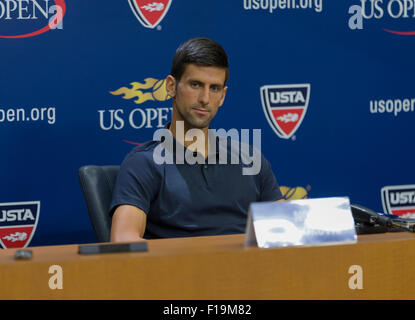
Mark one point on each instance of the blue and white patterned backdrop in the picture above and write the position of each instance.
(81, 83)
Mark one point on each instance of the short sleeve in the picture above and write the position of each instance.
(270, 190)
(136, 183)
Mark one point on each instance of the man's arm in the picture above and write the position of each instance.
(128, 224)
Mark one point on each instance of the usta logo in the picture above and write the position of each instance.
(285, 107)
(399, 200)
(287, 97)
(150, 12)
(16, 215)
(407, 197)
(18, 222)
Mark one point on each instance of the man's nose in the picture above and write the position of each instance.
(204, 96)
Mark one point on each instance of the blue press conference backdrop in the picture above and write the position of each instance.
(59, 107)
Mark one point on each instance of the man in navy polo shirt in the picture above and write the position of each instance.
(181, 199)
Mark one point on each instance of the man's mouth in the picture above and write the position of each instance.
(201, 111)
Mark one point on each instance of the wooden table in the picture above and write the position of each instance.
(218, 267)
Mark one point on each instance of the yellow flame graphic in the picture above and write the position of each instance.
(158, 91)
(293, 193)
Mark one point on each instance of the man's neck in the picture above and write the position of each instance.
(200, 142)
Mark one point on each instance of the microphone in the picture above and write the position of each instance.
(368, 218)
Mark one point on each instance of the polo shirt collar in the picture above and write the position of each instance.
(213, 141)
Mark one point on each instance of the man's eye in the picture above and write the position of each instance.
(215, 88)
(195, 84)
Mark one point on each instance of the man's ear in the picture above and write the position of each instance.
(171, 86)
(223, 96)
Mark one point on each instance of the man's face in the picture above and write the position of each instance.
(198, 95)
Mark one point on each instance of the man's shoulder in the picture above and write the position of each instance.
(142, 152)
(145, 147)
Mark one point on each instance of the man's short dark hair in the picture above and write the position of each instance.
(202, 52)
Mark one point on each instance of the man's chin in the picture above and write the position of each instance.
(198, 123)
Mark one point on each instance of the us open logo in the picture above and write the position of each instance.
(383, 10)
(18, 222)
(150, 12)
(285, 107)
(29, 18)
(399, 200)
(143, 117)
